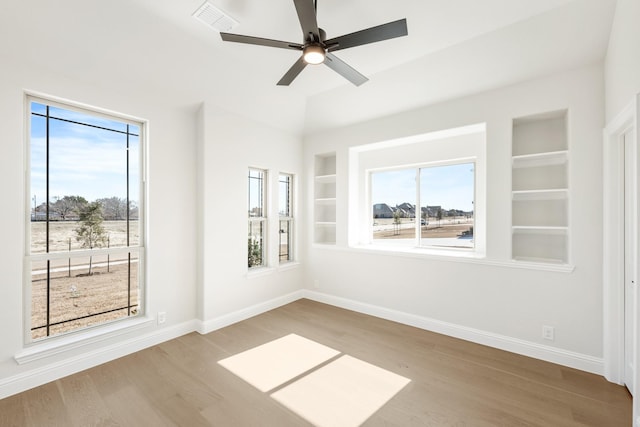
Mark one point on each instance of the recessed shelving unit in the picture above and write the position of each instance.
(324, 209)
(540, 189)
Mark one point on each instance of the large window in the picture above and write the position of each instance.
(426, 206)
(285, 183)
(85, 227)
(257, 218)
(423, 195)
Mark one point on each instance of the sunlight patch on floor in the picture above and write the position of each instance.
(272, 364)
(344, 392)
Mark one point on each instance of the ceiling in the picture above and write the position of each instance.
(454, 48)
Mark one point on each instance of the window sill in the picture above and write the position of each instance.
(259, 272)
(459, 256)
(264, 271)
(289, 265)
(446, 254)
(56, 345)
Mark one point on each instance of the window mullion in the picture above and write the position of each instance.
(47, 226)
(418, 215)
(47, 181)
(128, 201)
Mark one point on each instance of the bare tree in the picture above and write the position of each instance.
(91, 232)
(134, 212)
(114, 208)
(396, 221)
(68, 206)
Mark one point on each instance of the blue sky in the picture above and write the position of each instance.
(84, 161)
(450, 186)
(256, 190)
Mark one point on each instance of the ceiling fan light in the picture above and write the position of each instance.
(313, 54)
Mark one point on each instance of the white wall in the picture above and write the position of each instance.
(171, 229)
(622, 83)
(139, 64)
(542, 45)
(492, 299)
(231, 144)
(622, 64)
(198, 160)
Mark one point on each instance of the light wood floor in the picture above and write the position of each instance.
(454, 383)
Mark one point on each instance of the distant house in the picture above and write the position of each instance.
(382, 210)
(432, 211)
(408, 210)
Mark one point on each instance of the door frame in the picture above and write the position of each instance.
(613, 243)
(630, 264)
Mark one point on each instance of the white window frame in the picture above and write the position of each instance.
(260, 220)
(107, 327)
(288, 218)
(449, 146)
(418, 241)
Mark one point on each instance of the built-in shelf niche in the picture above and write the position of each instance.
(325, 199)
(543, 246)
(540, 189)
(540, 171)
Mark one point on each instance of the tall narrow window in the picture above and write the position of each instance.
(257, 218)
(85, 248)
(285, 183)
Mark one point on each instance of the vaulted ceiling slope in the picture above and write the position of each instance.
(454, 48)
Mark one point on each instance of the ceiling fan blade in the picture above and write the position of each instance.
(307, 16)
(344, 69)
(293, 72)
(228, 37)
(382, 32)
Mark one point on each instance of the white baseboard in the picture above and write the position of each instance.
(237, 316)
(526, 348)
(53, 371)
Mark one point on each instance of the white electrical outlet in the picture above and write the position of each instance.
(548, 332)
(162, 317)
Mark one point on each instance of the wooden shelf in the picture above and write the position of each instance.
(326, 179)
(326, 200)
(540, 159)
(547, 194)
(534, 260)
(538, 229)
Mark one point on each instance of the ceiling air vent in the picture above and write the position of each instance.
(214, 17)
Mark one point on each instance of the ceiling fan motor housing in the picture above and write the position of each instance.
(314, 50)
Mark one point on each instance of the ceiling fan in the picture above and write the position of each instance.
(316, 49)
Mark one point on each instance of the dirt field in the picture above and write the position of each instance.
(385, 229)
(82, 295)
(63, 232)
(73, 292)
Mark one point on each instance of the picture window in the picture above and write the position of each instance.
(85, 227)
